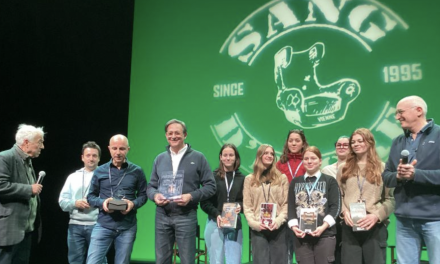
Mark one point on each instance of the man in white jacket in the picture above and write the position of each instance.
(73, 200)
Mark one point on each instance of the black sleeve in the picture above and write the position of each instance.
(209, 206)
(334, 197)
(291, 201)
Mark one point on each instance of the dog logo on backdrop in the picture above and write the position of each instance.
(305, 55)
(303, 99)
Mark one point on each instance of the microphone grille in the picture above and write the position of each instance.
(404, 153)
(42, 174)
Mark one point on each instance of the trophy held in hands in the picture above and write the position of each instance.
(117, 204)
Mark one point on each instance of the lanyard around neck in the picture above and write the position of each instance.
(228, 188)
(264, 192)
(361, 186)
(110, 179)
(296, 171)
(309, 191)
(84, 187)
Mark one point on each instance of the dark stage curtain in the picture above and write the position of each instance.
(64, 65)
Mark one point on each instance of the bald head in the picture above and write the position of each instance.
(119, 137)
(118, 148)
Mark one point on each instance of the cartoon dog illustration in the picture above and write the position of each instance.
(303, 99)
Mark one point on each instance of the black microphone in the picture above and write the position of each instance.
(41, 175)
(404, 156)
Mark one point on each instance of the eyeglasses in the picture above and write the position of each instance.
(399, 112)
(342, 146)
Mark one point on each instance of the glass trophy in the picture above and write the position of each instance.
(308, 219)
(171, 185)
(120, 194)
(358, 211)
(117, 203)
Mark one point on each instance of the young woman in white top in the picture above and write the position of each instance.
(342, 150)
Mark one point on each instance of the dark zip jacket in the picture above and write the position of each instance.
(418, 198)
(196, 173)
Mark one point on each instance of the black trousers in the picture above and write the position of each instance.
(364, 247)
(269, 247)
(315, 250)
(19, 253)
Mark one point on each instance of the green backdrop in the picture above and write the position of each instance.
(248, 71)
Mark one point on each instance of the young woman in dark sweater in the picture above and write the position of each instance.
(318, 193)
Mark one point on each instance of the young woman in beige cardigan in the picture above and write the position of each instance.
(360, 181)
(266, 185)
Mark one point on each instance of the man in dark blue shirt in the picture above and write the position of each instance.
(117, 179)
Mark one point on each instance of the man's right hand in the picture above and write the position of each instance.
(406, 171)
(82, 204)
(160, 200)
(105, 206)
(36, 188)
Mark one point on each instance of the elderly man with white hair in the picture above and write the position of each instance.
(416, 182)
(19, 195)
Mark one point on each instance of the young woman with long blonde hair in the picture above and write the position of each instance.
(266, 185)
(360, 180)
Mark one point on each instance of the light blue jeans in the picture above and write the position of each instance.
(102, 239)
(220, 244)
(409, 235)
(78, 240)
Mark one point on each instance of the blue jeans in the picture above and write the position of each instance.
(102, 239)
(409, 235)
(179, 228)
(78, 240)
(220, 244)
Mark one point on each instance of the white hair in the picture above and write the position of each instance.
(27, 132)
(418, 102)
